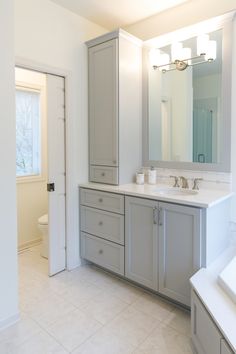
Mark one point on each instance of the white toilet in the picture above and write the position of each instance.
(43, 227)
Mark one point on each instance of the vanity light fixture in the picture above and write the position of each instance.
(182, 57)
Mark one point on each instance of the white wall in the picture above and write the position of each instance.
(181, 113)
(207, 86)
(233, 127)
(32, 199)
(181, 16)
(167, 86)
(31, 204)
(154, 111)
(8, 239)
(49, 34)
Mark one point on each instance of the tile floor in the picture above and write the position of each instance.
(91, 312)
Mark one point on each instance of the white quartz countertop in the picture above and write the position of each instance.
(215, 299)
(205, 198)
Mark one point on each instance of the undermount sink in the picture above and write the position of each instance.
(226, 279)
(175, 191)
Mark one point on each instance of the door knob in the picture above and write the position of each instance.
(50, 187)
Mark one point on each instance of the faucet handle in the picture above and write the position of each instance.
(196, 183)
(184, 181)
(176, 183)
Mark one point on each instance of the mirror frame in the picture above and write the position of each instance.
(225, 23)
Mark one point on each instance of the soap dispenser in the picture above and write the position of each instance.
(152, 175)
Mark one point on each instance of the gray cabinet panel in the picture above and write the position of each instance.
(102, 200)
(104, 253)
(205, 335)
(104, 174)
(179, 250)
(225, 349)
(103, 224)
(141, 242)
(103, 103)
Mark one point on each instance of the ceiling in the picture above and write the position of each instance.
(112, 14)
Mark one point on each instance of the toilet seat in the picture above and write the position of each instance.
(43, 220)
(43, 227)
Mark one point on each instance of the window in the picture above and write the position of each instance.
(28, 142)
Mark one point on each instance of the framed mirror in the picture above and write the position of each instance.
(187, 99)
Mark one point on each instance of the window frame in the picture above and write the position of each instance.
(42, 131)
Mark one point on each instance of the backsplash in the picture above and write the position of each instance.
(211, 180)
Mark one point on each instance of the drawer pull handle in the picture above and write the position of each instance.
(100, 252)
(155, 209)
(103, 174)
(100, 200)
(100, 223)
(160, 217)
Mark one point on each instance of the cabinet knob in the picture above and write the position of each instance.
(100, 223)
(114, 161)
(100, 200)
(103, 174)
(100, 252)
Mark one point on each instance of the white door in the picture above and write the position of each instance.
(56, 172)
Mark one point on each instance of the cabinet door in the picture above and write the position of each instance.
(179, 250)
(225, 349)
(141, 241)
(205, 335)
(103, 103)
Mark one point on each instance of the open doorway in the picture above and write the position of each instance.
(40, 165)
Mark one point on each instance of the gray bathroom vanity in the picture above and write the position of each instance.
(154, 240)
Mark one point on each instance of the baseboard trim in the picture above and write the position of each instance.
(29, 244)
(9, 321)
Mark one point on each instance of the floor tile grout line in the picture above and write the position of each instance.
(55, 339)
(87, 339)
(38, 272)
(31, 336)
(111, 319)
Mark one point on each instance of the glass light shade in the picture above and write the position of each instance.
(186, 54)
(154, 57)
(211, 51)
(202, 44)
(164, 59)
(176, 51)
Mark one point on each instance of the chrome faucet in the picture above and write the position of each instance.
(184, 182)
(176, 183)
(196, 183)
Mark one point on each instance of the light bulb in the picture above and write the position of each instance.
(211, 51)
(202, 44)
(176, 51)
(186, 54)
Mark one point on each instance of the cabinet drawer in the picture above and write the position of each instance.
(103, 224)
(104, 253)
(104, 174)
(102, 200)
(205, 335)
